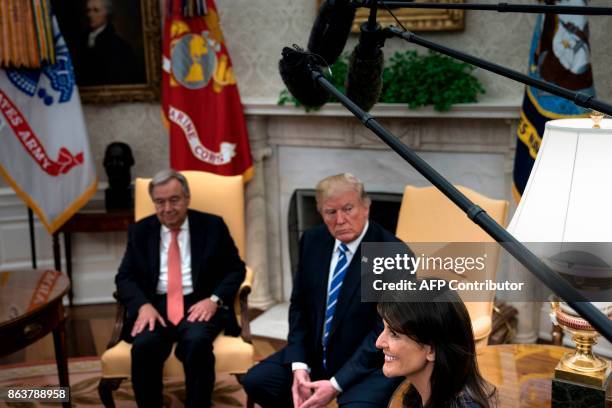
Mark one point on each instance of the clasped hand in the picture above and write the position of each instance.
(307, 394)
(204, 310)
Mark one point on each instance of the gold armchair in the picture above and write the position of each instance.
(223, 196)
(426, 215)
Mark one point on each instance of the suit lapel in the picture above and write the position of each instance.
(197, 238)
(154, 244)
(350, 284)
(321, 278)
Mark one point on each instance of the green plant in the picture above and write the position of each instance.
(430, 79)
(418, 80)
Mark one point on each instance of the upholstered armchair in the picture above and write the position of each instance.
(220, 195)
(426, 215)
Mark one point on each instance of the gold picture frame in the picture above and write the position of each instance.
(137, 23)
(415, 19)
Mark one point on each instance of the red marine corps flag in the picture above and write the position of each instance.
(200, 100)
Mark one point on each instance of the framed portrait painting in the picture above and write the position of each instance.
(115, 48)
(415, 19)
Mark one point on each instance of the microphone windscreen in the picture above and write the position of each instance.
(364, 79)
(331, 29)
(295, 68)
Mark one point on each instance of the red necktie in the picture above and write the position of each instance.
(175, 281)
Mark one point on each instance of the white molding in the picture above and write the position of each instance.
(481, 110)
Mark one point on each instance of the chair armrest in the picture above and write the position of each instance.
(241, 305)
(119, 319)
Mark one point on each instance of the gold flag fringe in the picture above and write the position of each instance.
(26, 35)
(187, 8)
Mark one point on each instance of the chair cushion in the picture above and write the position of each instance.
(232, 355)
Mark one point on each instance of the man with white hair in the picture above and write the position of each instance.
(178, 280)
(331, 350)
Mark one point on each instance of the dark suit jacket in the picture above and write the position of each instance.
(216, 266)
(351, 353)
(110, 61)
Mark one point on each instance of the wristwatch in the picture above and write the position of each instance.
(216, 299)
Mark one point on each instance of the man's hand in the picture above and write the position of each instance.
(204, 310)
(147, 316)
(324, 392)
(299, 392)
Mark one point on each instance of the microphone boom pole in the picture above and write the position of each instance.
(580, 99)
(500, 7)
(596, 318)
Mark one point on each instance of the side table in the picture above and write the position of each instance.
(86, 221)
(30, 308)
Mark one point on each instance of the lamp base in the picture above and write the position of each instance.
(569, 394)
(596, 379)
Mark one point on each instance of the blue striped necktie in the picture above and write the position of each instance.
(332, 296)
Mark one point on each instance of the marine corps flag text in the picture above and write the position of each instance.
(201, 103)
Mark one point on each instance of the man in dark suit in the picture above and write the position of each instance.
(331, 345)
(178, 279)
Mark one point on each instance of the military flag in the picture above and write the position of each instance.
(560, 54)
(45, 154)
(200, 100)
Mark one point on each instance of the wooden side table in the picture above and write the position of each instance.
(30, 308)
(100, 221)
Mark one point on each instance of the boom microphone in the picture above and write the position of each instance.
(295, 67)
(364, 79)
(331, 29)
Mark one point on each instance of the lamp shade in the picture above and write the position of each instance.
(568, 197)
(566, 207)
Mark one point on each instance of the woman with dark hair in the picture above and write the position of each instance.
(431, 344)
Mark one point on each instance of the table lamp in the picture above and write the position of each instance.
(567, 207)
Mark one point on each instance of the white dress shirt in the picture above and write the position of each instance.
(91, 37)
(185, 250)
(352, 248)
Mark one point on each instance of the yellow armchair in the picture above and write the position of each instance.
(220, 195)
(426, 215)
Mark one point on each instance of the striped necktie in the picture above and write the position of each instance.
(332, 296)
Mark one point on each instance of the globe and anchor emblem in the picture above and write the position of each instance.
(194, 60)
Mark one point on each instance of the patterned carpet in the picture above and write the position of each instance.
(84, 378)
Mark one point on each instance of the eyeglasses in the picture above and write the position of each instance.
(173, 201)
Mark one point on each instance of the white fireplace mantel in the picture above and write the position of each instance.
(480, 110)
(472, 144)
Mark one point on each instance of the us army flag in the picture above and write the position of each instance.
(200, 100)
(560, 54)
(44, 153)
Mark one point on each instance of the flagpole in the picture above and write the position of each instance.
(32, 237)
